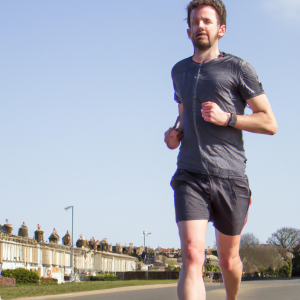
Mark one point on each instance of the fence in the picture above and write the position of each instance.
(147, 275)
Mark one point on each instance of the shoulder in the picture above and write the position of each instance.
(239, 63)
(181, 66)
(235, 60)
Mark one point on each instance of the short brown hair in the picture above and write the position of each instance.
(218, 5)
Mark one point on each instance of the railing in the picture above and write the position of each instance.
(55, 246)
(16, 239)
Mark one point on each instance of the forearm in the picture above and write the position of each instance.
(259, 122)
(180, 113)
(174, 135)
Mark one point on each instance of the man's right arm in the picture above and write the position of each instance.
(173, 136)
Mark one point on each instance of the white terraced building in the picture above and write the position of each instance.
(54, 260)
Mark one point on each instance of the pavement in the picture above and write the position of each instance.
(284, 289)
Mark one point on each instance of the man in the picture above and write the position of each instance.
(212, 89)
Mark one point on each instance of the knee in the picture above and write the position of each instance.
(229, 263)
(193, 256)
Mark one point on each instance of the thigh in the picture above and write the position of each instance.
(192, 234)
(228, 246)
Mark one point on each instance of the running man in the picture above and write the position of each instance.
(212, 89)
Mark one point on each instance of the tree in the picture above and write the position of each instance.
(149, 252)
(285, 237)
(164, 259)
(248, 240)
(137, 256)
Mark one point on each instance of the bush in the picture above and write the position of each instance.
(285, 271)
(104, 277)
(49, 281)
(22, 275)
(247, 275)
(178, 269)
(170, 267)
(296, 261)
(54, 282)
(208, 267)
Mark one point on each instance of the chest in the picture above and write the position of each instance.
(210, 83)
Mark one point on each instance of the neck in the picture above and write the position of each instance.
(206, 55)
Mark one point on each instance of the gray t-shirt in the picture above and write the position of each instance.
(228, 81)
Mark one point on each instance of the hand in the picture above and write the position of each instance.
(212, 113)
(173, 137)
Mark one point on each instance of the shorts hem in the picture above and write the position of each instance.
(226, 233)
(192, 219)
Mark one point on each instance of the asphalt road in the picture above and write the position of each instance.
(288, 289)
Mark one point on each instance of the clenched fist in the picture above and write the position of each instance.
(212, 113)
(173, 136)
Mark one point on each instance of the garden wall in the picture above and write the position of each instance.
(4, 281)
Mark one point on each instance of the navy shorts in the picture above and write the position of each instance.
(223, 201)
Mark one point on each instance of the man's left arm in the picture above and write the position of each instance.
(262, 120)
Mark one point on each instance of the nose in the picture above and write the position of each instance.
(202, 24)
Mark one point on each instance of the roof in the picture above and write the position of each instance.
(268, 246)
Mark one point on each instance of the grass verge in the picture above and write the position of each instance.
(22, 291)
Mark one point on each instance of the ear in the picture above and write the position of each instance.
(189, 32)
(222, 31)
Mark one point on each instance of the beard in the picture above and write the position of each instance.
(201, 44)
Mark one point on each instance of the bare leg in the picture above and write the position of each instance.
(192, 237)
(230, 263)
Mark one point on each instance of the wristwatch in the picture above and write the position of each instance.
(232, 120)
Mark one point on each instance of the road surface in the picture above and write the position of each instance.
(282, 289)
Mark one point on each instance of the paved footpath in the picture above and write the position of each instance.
(284, 289)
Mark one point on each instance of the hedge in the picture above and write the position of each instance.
(22, 275)
(104, 277)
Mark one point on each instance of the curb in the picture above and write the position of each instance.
(99, 292)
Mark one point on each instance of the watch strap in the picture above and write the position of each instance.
(232, 120)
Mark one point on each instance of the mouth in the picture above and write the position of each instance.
(201, 35)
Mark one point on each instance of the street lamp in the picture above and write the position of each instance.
(145, 234)
(67, 208)
(72, 263)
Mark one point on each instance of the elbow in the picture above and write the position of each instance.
(272, 128)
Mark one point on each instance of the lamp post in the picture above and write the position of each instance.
(145, 234)
(72, 263)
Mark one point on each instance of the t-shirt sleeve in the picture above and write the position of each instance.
(249, 83)
(176, 94)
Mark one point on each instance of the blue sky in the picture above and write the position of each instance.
(86, 95)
